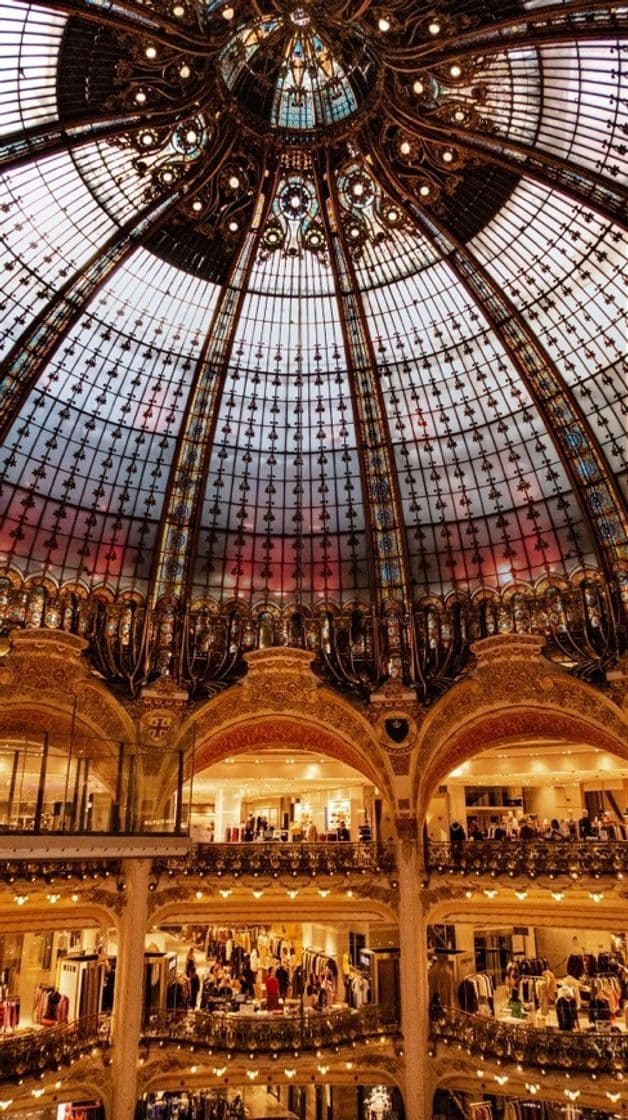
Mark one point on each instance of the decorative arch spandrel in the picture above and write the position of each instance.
(281, 703)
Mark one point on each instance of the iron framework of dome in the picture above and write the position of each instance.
(312, 332)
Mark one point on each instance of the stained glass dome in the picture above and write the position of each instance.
(312, 312)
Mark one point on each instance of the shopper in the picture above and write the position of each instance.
(271, 984)
(193, 977)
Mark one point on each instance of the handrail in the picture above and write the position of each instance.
(32, 1051)
(546, 1047)
(529, 857)
(269, 1034)
(275, 858)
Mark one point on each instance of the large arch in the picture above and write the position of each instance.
(513, 691)
(282, 704)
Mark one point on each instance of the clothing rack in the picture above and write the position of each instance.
(476, 994)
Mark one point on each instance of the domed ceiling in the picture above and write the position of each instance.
(309, 306)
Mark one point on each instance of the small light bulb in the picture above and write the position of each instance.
(434, 28)
(140, 97)
(418, 87)
(448, 156)
(151, 52)
(455, 70)
(383, 23)
(404, 147)
(184, 71)
(234, 182)
(228, 13)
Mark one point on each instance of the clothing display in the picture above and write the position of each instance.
(49, 1006)
(480, 1110)
(566, 1010)
(476, 994)
(357, 988)
(9, 1014)
(525, 1110)
(208, 1104)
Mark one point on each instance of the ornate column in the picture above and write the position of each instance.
(413, 969)
(129, 992)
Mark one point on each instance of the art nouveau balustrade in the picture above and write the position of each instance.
(247, 1033)
(531, 858)
(51, 872)
(30, 1052)
(279, 858)
(547, 1048)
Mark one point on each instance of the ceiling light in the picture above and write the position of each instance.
(234, 182)
(178, 11)
(383, 23)
(448, 155)
(184, 71)
(140, 97)
(151, 52)
(434, 27)
(197, 206)
(404, 148)
(455, 70)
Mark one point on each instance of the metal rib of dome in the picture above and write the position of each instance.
(312, 314)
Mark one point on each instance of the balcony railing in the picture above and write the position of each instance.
(261, 1033)
(528, 1046)
(530, 857)
(272, 858)
(57, 872)
(30, 1052)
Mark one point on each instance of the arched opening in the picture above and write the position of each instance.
(286, 794)
(533, 789)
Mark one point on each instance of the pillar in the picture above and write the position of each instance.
(413, 972)
(129, 993)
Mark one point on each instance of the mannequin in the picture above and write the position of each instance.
(546, 991)
(566, 1009)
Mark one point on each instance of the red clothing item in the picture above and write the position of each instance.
(271, 984)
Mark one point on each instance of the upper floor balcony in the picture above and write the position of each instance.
(543, 1048)
(263, 1033)
(529, 858)
(27, 1053)
(277, 858)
